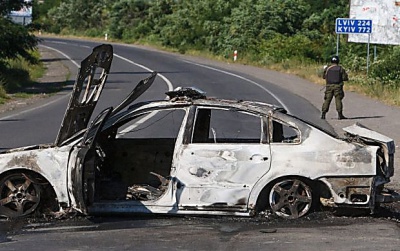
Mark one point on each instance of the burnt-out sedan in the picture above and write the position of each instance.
(191, 154)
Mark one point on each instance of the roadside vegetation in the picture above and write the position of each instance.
(294, 36)
(19, 62)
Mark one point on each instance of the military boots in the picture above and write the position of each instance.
(341, 116)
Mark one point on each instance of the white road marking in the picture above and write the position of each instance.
(245, 79)
(136, 124)
(62, 53)
(150, 115)
(169, 84)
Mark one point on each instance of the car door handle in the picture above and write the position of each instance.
(257, 157)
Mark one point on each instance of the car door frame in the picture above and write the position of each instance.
(82, 165)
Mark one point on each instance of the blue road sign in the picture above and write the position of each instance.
(349, 25)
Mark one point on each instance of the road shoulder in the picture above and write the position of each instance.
(54, 78)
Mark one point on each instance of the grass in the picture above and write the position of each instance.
(3, 94)
(17, 76)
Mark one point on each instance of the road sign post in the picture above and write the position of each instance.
(349, 25)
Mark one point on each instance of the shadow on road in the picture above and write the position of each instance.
(366, 117)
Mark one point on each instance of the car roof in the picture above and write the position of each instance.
(192, 96)
(179, 101)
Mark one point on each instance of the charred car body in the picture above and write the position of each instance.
(191, 154)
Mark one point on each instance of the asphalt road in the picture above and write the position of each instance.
(313, 233)
(319, 231)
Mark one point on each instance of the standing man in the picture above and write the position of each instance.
(334, 76)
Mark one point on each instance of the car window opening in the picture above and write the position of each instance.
(282, 133)
(226, 126)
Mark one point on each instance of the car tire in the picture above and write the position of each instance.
(290, 198)
(19, 195)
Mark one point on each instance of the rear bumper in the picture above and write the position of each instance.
(387, 196)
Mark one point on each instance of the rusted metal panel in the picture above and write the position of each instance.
(350, 190)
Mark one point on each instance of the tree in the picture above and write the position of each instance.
(15, 39)
(79, 15)
(129, 19)
(9, 5)
(39, 13)
(254, 27)
(197, 24)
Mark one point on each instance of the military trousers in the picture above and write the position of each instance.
(333, 90)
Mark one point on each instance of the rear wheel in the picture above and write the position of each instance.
(290, 198)
(19, 195)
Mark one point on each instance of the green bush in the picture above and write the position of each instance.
(356, 64)
(17, 74)
(387, 70)
(93, 32)
(16, 79)
(281, 48)
(3, 93)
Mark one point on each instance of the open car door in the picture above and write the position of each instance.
(91, 77)
(140, 88)
(88, 158)
(88, 155)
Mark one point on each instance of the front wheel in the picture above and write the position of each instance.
(19, 195)
(290, 198)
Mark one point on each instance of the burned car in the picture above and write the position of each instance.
(191, 154)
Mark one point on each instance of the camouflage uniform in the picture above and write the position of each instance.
(334, 75)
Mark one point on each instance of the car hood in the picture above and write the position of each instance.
(87, 89)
